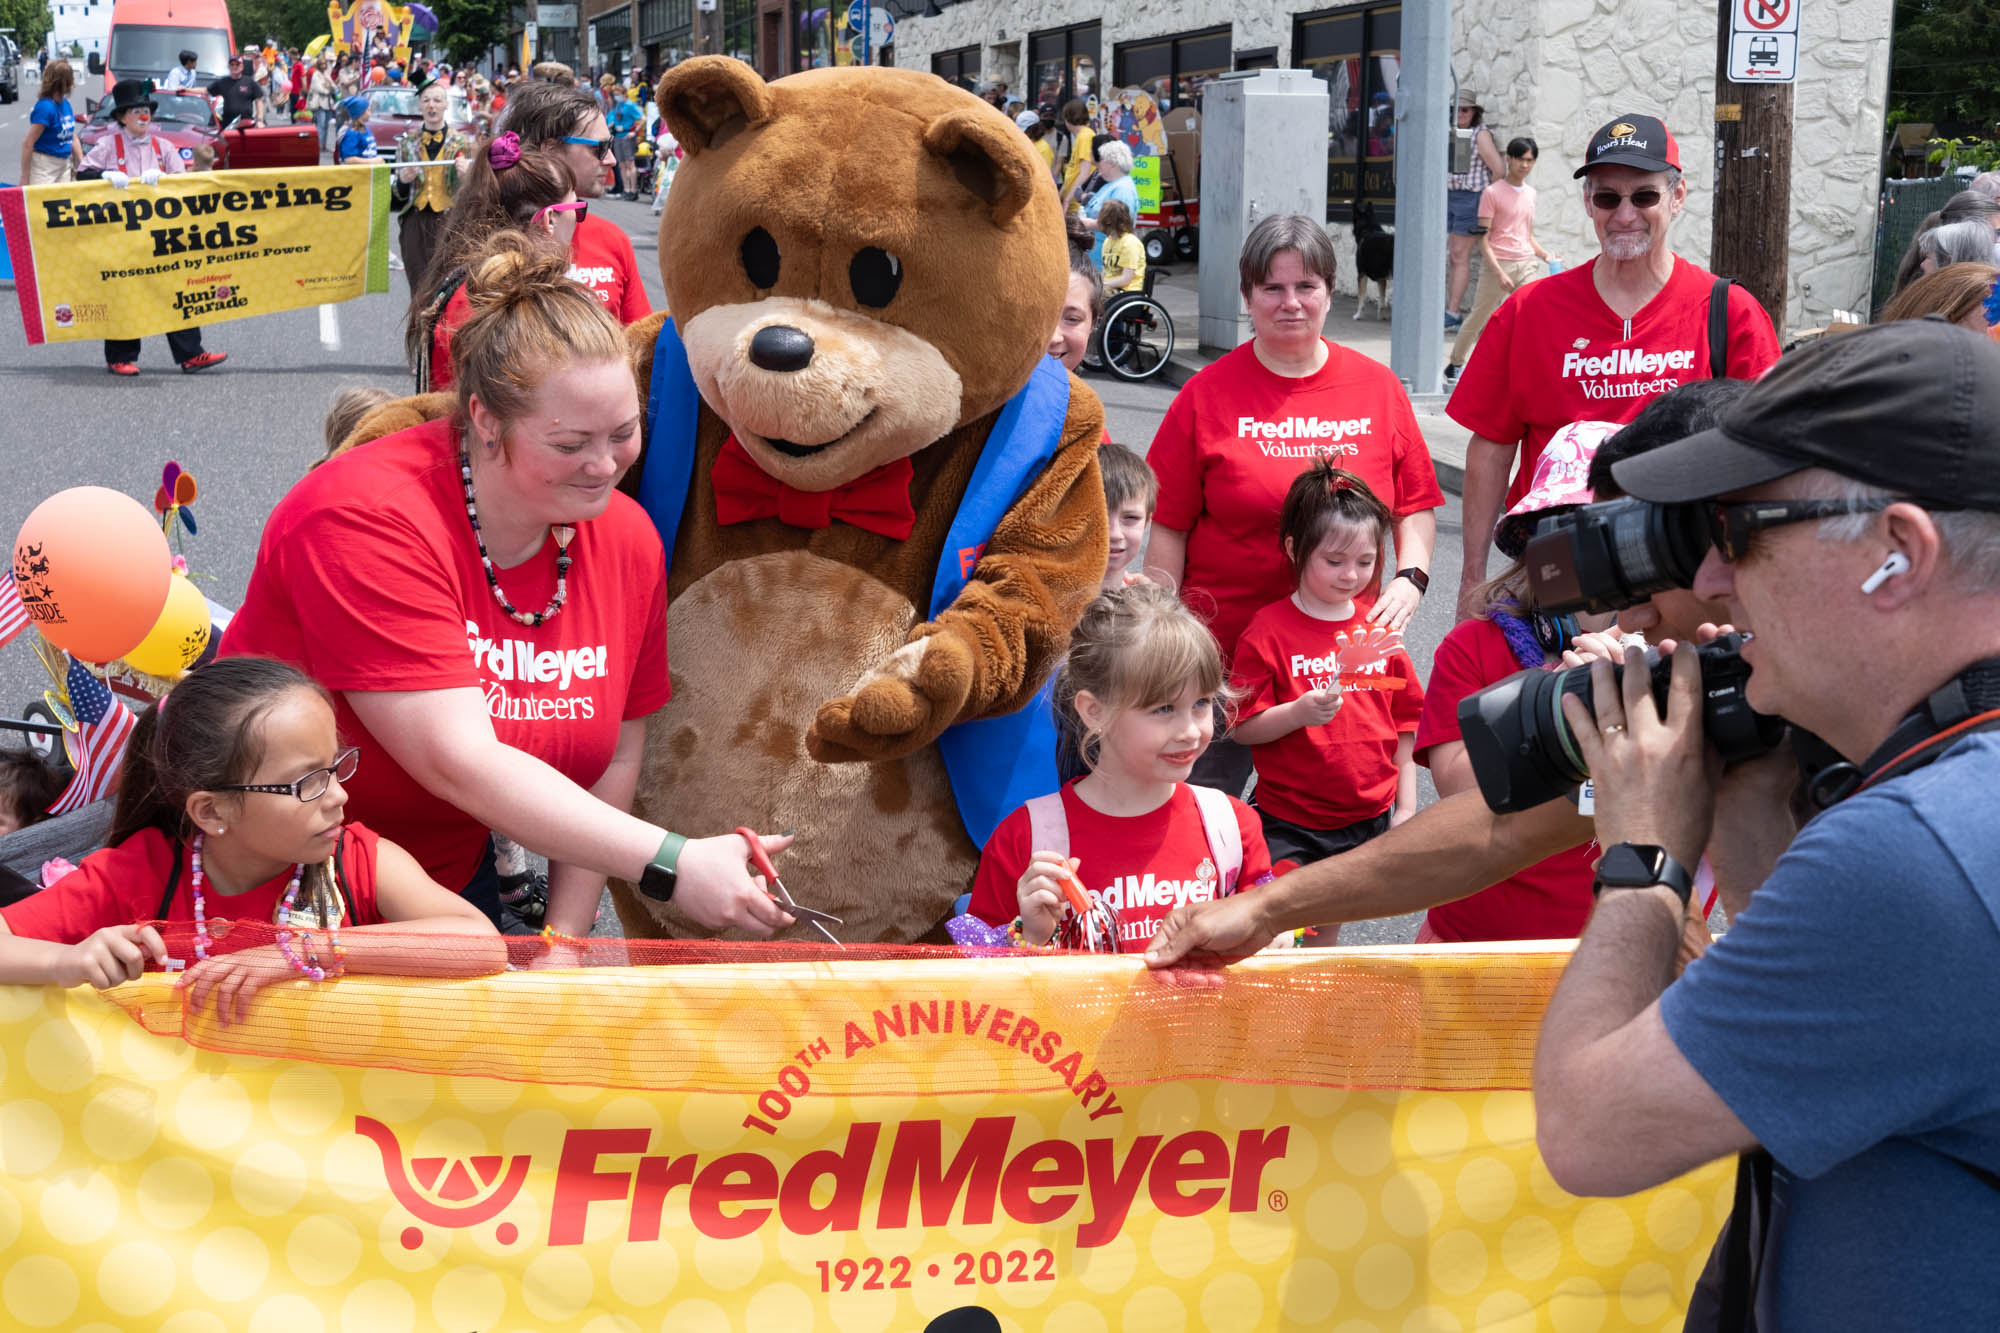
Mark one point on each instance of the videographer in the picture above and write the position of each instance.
(1845, 1022)
(1459, 845)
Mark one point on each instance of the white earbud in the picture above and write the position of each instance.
(1896, 563)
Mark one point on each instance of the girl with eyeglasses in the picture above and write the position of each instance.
(230, 812)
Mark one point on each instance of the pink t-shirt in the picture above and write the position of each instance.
(1512, 230)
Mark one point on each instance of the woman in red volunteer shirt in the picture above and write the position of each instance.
(1551, 899)
(491, 613)
(1244, 427)
(231, 811)
(504, 187)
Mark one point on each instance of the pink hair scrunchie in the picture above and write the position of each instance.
(504, 151)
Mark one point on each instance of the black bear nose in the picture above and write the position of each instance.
(780, 347)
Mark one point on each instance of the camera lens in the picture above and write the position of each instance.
(1524, 752)
(1605, 557)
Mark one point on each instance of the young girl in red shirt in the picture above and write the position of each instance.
(1130, 840)
(1330, 704)
(229, 811)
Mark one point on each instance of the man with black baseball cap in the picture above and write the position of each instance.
(1845, 1024)
(1597, 342)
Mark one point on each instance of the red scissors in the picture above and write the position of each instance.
(761, 859)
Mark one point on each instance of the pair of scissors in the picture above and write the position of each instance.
(761, 859)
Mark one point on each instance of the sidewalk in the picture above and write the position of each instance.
(1175, 288)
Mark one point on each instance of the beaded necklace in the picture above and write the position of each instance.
(201, 936)
(562, 533)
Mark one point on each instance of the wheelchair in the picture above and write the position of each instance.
(1136, 336)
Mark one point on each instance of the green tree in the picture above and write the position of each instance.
(289, 22)
(29, 19)
(1945, 66)
(467, 29)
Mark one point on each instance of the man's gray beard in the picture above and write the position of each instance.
(1627, 247)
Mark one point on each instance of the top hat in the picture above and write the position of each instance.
(130, 95)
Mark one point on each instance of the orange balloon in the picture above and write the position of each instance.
(93, 571)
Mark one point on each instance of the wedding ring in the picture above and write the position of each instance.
(1615, 726)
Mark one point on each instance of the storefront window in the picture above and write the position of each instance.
(668, 24)
(1063, 64)
(739, 30)
(1173, 71)
(960, 67)
(1358, 51)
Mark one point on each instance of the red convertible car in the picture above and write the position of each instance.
(187, 119)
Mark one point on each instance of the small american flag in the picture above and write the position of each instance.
(13, 616)
(104, 725)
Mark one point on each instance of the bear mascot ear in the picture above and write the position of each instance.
(706, 100)
(980, 150)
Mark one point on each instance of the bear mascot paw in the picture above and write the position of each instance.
(878, 494)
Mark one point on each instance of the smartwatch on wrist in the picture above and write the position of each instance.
(1635, 865)
(660, 878)
(1418, 577)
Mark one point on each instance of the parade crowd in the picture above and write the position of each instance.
(1241, 722)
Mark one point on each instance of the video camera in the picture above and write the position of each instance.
(1603, 557)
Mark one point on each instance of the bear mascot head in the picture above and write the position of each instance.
(878, 494)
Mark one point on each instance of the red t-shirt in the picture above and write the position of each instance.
(456, 311)
(1342, 772)
(1554, 353)
(122, 885)
(1234, 439)
(1141, 866)
(1550, 900)
(368, 579)
(601, 258)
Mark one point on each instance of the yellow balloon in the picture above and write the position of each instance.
(178, 638)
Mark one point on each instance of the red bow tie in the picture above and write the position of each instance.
(878, 501)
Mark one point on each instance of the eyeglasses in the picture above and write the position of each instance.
(314, 784)
(580, 207)
(1607, 201)
(598, 147)
(1730, 526)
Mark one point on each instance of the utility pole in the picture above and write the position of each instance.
(1424, 119)
(1753, 151)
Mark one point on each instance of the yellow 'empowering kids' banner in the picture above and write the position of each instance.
(92, 261)
(1338, 1142)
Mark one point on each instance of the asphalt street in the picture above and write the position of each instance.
(247, 430)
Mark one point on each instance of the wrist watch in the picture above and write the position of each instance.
(1418, 577)
(1636, 865)
(659, 879)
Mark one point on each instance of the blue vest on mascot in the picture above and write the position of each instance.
(995, 764)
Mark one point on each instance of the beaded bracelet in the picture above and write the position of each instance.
(1017, 936)
(551, 937)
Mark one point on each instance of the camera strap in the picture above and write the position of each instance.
(1967, 703)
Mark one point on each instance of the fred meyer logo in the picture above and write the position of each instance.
(1638, 373)
(509, 661)
(894, 1175)
(1313, 435)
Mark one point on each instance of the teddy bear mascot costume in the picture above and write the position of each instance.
(878, 494)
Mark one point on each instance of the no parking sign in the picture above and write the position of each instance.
(1764, 41)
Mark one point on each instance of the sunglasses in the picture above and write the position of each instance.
(1730, 526)
(598, 147)
(1607, 201)
(314, 784)
(580, 207)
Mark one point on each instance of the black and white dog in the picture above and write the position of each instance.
(1374, 259)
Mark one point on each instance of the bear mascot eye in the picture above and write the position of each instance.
(760, 259)
(875, 274)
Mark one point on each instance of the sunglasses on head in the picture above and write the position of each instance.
(580, 207)
(1607, 201)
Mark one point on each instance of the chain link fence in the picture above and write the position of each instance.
(1905, 205)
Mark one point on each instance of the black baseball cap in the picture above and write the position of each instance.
(1632, 141)
(1912, 407)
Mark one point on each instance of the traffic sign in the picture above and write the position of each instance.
(1764, 41)
(876, 20)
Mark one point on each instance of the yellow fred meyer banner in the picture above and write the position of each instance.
(93, 261)
(1327, 1141)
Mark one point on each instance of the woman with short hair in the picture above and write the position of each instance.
(1247, 424)
(490, 614)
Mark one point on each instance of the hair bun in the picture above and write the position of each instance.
(514, 266)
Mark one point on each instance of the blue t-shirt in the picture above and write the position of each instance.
(625, 118)
(1851, 1019)
(1126, 191)
(58, 124)
(355, 143)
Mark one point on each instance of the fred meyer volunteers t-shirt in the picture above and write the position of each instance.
(1230, 446)
(1344, 771)
(368, 579)
(1554, 353)
(1140, 866)
(601, 258)
(1551, 899)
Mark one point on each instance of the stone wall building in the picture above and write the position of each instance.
(1550, 69)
